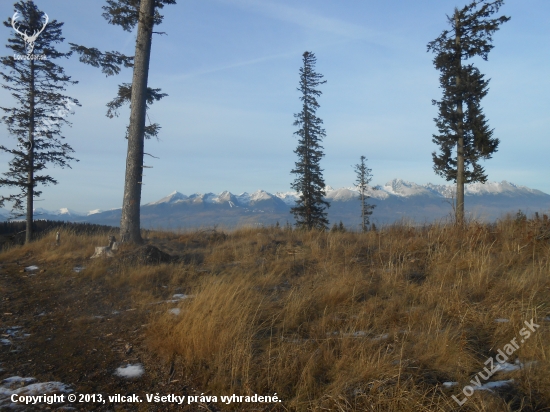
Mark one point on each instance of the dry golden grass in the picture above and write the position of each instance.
(346, 321)
(375, 321)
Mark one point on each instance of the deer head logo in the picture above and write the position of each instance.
(29, 40)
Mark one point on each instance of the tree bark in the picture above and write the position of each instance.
(363, 206)
(30, 156)
(460, 133)
(130, 221)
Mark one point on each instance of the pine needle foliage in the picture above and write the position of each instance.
(364, 176)
(37, 85)
(461, 123)
(310, 210)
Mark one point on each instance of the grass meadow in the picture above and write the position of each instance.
(398, 319)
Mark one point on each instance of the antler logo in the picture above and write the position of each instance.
(29, 40)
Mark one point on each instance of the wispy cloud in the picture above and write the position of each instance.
(306, 18)
(228, 66)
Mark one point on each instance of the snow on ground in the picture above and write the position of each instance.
(504, 367)
(17, 385)
(130, 371)
(485, 387)
(175, 311)
(79, 268)
(509, 367)
(178, 297)
(11, 334)
(181, 296)
(31, 268)
(493, 385)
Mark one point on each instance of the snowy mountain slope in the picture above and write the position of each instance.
(395, 200)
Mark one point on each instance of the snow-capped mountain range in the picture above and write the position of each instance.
(395, 200)
(396, 187)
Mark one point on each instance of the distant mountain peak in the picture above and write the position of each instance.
(260, 195)
(171, 198)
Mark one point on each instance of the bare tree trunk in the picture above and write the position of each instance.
(363, 207)
(460, 132)
(30, 157)
(130, 221)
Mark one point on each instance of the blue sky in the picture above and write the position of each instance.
(230, 68)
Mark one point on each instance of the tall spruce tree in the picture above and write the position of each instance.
(461, 122)
(309, 211)
(37, 85)
(127, 14)
(364, 177)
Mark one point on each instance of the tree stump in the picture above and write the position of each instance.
(106, 251)
(102, 251)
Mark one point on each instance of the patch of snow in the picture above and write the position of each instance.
(41, 211)
(225, 197)
(130, 371)
(13, 330)
(94, 212)
(260, 195)
(446, 191)
(493, 385)
(288, 197)
(171, 198)
(508, 367)
(64, 211)
(175, 311)
(180, 296)
(16, 381)
(403, 188)
(31, 268)
(17, 385)
(5, 341)
(503, 187)
(344, 194)
(209, 198)
(381, 337)
(449, 384)
(502, 320)
(243, 198)
(79, 269)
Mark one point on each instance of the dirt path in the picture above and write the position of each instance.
(76, 331)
